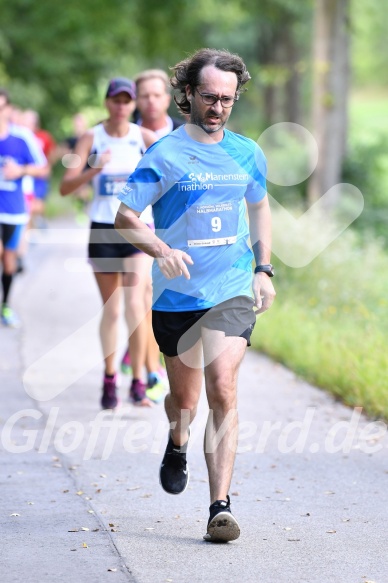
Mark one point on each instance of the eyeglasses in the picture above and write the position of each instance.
(210, 99)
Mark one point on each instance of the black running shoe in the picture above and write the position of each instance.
(222, 525)
(174, 471)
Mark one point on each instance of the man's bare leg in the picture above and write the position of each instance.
(185, 389)
(222, 427)
(223, 356)
(181, 407)
(135, 280)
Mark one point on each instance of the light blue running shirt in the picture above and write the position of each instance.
(198, 193)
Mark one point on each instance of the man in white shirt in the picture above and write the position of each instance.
(153, 101)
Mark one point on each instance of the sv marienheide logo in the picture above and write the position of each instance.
(208, 180)
(210, 176)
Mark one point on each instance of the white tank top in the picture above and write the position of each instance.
(126, 153)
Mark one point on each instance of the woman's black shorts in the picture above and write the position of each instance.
(107, 248)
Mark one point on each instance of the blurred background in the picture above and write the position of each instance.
(322, 64)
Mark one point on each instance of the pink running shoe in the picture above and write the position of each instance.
(109, 399)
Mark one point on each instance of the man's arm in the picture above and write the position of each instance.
(13, 171)
(261, 239)
(172, 262)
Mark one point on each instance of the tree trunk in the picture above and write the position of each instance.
(270, 104)
(292, 90)
(330, 93)
(268, 57)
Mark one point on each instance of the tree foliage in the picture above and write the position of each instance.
(370, 42)
(48, 48)
(54, 55)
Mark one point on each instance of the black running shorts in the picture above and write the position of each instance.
(107, 248)
(10, 236)
(176, 332)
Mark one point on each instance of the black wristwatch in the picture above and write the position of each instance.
(268, 269)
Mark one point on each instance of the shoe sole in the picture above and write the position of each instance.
(175, 493)
(145, 402)
(158, 396)
(117, 406)
(223, 528)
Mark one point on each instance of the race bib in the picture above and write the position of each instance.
(212, 224)
(111, 185)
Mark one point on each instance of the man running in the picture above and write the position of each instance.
(40, 187)
(200, 180)
(153, 101)
(20, 156)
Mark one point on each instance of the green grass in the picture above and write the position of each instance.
(57, 205)
(368, 114)
(329, 322)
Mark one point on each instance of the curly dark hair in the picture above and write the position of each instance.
(188, 72)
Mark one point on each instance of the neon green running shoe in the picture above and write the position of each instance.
(9, 318)
(157, 386)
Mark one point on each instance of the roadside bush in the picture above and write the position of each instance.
(329, 322)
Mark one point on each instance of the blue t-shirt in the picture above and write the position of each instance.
(21, 146)
(198, 193)
(41, 186)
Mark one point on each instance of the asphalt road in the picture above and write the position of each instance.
(80, 498)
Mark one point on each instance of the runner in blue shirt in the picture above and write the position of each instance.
(201, 180)
(20, 156)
